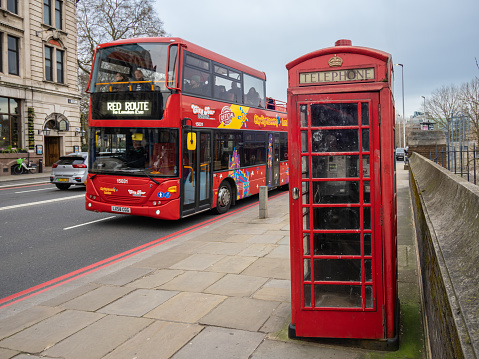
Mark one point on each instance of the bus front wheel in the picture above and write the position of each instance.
(225, 196)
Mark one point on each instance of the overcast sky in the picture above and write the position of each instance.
(437, 41)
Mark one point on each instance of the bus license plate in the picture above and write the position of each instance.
(63, 180)
(120, 209)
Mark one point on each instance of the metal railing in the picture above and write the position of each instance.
(462, 161)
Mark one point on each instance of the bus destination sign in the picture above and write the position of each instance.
(128, 108)
(336, 76)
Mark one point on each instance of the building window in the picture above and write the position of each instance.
(9, 122)
(48, 63)
(47, 12)
(12, 6)
(54, 59)
(58, 14)
(60, 66)
(53, 16)
(13, 55)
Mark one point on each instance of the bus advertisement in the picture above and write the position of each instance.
(176, 129)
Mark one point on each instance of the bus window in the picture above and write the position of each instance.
(227, 90)
(254, 91)
(115, 67)
(228, 150)
(227, 84)
(196, 82)
(254, 149)
(197, 76)
(138, 151)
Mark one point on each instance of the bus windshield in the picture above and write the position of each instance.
(135, 151)
(130, 67)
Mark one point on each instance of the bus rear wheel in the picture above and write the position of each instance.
(225, 196)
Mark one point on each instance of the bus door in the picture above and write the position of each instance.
(273, 173)
(197, 174)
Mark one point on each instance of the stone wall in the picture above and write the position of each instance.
(426, 143)
(446, 214)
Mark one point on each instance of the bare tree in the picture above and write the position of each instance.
(442, 105)
(469, 96)
(101, 21)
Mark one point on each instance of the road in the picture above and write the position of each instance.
(46, 233)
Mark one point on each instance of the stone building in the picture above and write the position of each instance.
(39, 97)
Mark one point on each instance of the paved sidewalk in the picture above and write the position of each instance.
(222, 291)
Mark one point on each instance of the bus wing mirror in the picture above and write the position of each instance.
(191, 141)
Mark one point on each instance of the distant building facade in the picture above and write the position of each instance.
(39, 97)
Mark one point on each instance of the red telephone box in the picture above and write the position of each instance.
(342, 194)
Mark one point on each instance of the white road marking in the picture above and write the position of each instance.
(35, 190)
(84, 224)
(41, 202)
(23, 184)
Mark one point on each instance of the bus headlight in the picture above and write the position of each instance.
(157, 212)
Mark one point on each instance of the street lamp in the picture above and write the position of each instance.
(403, 115)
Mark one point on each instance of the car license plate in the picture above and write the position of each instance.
(63, 180)
(121, 209)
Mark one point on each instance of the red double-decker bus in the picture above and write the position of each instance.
(176, 129)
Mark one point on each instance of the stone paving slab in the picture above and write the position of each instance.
(198, 262)
(221, 343)
(159, 341)
(281, 251)
(236, 285)
(270, 268)
(241, 313)
(50, 331)
(266, 238)
(123, 276)
(275, 289)
(192, 281)
(8, 353)
(232, 264)
(162, 260)
(25, 319)
(155, 279)
(270, 349)
(138, 303)
(66, 297)
(98, 339)
(97, 298)
(238, 238)
(186, 307)
(257, 250)
(223, 248)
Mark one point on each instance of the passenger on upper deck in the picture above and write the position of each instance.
(121, 83)
(194, 85)
(235, 91)
(139, 84)
(270, 103)
(252, 97)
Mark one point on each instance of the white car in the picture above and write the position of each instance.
(69, 170)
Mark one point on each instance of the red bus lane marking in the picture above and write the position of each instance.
(33, 291)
